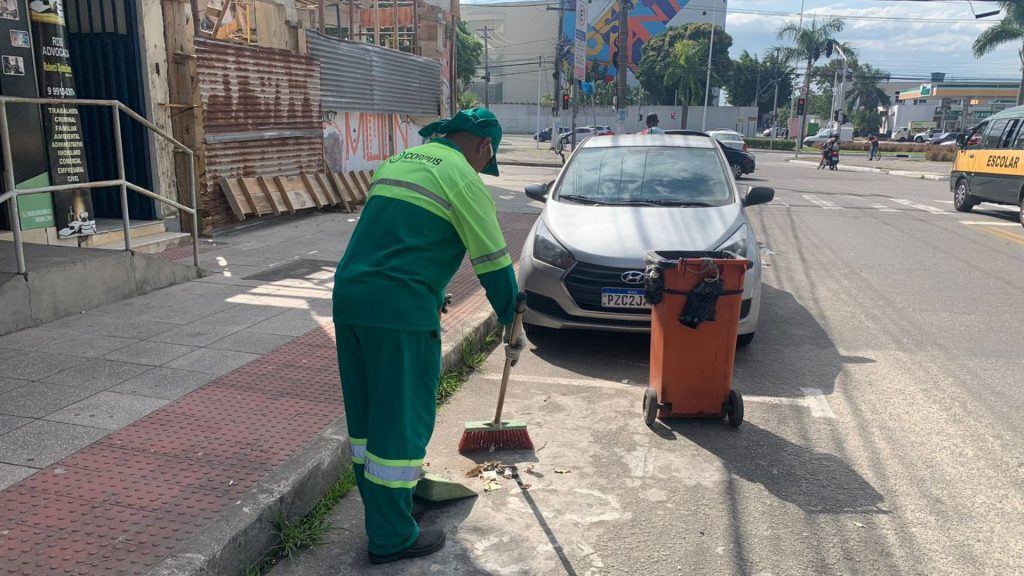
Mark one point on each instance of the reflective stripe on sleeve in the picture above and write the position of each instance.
(489, 257)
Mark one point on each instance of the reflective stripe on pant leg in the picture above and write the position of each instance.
(393, 473)
(358, 450)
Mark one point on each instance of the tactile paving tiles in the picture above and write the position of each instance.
(121, 505)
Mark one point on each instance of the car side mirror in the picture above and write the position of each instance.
(759, 195)
(961, 140)
(538, 192)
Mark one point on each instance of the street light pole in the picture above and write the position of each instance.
(620, 66)
(487, 69)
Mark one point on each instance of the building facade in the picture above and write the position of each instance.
(951, 106)
(521, 34)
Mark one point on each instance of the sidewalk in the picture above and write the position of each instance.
(857, 162)
(165, 428)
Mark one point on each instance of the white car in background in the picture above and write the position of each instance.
(729, 138)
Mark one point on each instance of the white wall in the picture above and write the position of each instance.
(522, 118)
(906, 112)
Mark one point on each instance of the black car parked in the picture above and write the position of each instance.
(740, 161)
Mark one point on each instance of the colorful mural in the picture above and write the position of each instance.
(361, 140)
(648, 18)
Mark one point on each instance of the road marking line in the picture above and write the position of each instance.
(1004, 234)
(944, 201)
(988, 223)
(822, 203)
(813, 398)
(883, 208)
(930, 209)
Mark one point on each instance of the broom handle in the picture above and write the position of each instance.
(517, 327)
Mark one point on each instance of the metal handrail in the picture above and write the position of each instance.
(125, 185)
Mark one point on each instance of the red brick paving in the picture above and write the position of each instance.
(121, 505)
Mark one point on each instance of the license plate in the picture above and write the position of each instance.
(623, 298)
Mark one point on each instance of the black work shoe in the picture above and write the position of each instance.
(429, 541)
(418, 509)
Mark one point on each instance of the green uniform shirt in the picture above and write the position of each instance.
(427, 207)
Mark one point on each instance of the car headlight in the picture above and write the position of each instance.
(548, 250)
(738, 243)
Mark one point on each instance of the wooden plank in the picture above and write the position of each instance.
(294, 189)
(271, 28)
(283, 191)
(341, 189)
(340, 197)
(255, 196)
(233, 196)
(314, 190)
(272, 196)
(354, 187)
(366, 179)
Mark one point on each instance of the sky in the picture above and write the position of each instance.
(908, 39)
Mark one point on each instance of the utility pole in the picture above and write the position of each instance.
(620, 66)
(487, 68)
(707, 83)
(557, 96)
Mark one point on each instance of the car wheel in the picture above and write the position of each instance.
(902, 140)
(962, 199)
(745, 339)
(1021, 214)
(737, 170)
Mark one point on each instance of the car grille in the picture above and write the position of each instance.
(549, 307)
(585, 281)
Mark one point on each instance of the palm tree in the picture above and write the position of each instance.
(685, 72)
(1009, 29)
(810, 45)
(864, 91)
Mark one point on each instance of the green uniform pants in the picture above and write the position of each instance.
(389, 379)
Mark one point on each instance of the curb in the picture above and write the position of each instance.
(903, 173)
(240, 535)
(534, 164)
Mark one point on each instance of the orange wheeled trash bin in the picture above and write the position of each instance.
(696, 298)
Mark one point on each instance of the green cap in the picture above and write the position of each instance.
(477, 121)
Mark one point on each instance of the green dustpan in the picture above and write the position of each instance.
(434, 488)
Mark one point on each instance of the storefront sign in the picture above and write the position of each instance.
(66, 148)
(24, 121)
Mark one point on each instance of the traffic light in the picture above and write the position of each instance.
(565, 101)
(800, 102)
(835, 115)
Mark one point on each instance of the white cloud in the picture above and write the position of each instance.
(898, 37)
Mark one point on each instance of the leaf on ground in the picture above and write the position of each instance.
(492, 485)
(475, 471)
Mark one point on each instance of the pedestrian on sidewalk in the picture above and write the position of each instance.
(427, 207)
(873, 148)
(652, 125)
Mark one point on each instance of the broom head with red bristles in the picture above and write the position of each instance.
(507, 435)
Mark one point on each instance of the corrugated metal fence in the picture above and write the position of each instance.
(360, 77)
(261, 111)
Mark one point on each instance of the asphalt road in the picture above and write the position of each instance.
(882, 431)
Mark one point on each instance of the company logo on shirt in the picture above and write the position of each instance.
(416, 157)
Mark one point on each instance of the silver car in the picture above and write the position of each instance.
(617, 197)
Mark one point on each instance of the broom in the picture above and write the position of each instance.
(497, 434)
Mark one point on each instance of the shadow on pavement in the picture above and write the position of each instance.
(816, 482)
(791, 351)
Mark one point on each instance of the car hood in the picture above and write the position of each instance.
(619, 235)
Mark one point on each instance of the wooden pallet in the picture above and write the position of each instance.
(276, 195)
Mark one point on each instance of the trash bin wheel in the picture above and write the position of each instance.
(650, 406)
(734, 410)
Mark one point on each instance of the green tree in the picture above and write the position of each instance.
(469, 51)
(468, 100)
(686, 74)
(752, 81)
(661, 56)
(812, 43)
(1009, 30)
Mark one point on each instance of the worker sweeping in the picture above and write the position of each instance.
(427, 207)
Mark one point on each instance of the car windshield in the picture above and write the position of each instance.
(656, 175)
